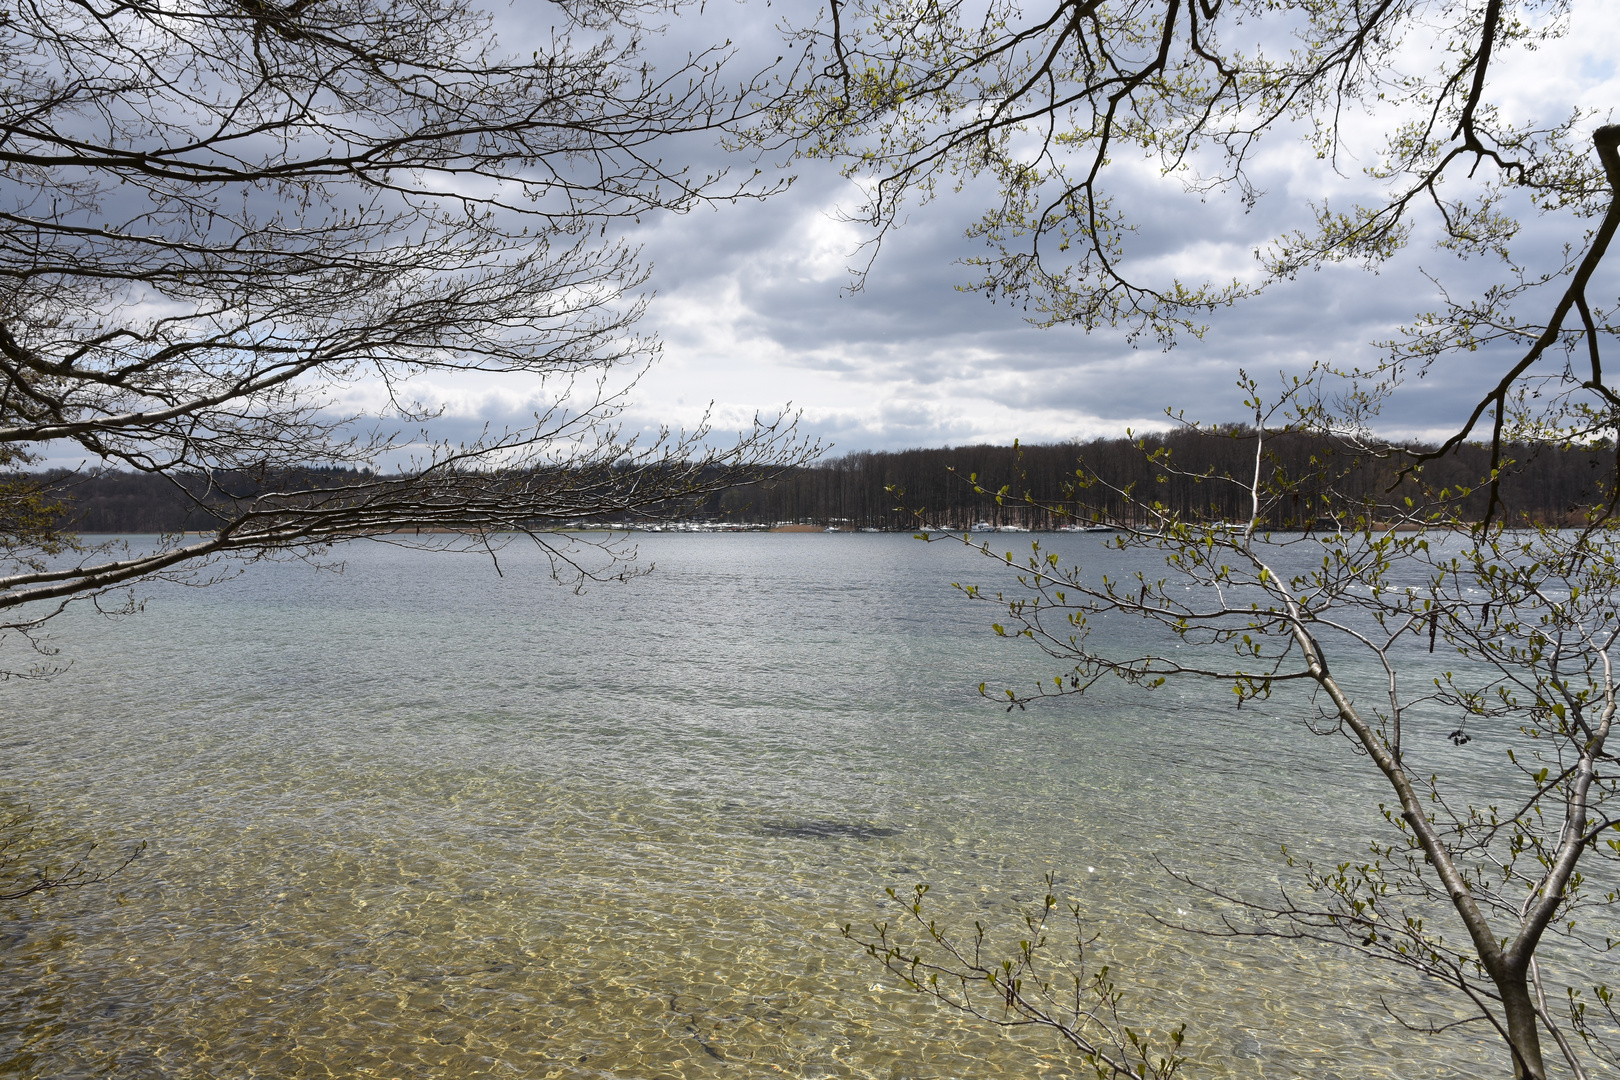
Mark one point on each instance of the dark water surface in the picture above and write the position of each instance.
(416, 819)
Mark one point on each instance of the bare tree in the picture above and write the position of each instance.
(220, 221)
(1411, 634)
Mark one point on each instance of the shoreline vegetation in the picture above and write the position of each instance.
(902, 491)
(712, 527)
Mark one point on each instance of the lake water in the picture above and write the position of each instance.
(416, 819)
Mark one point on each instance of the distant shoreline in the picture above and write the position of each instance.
(711, 528)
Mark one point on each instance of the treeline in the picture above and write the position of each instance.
(141, 503)
(1194, 473)
(1197, 474)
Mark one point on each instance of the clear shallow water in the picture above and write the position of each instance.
(417, 819)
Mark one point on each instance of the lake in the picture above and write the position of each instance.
(412, 817)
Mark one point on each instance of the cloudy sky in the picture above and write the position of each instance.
(753, 313)
(751, 305)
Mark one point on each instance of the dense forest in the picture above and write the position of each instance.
(1195, 473)
(143, 503)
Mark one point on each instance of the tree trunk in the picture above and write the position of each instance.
(1524, 1037)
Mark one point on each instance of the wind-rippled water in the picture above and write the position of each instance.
(416, 819)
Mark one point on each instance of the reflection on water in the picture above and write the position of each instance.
(418, 820)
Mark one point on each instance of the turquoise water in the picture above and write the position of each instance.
(420, 819)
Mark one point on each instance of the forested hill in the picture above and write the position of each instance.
(1544, 483)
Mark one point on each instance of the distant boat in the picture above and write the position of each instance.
(983, 526)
